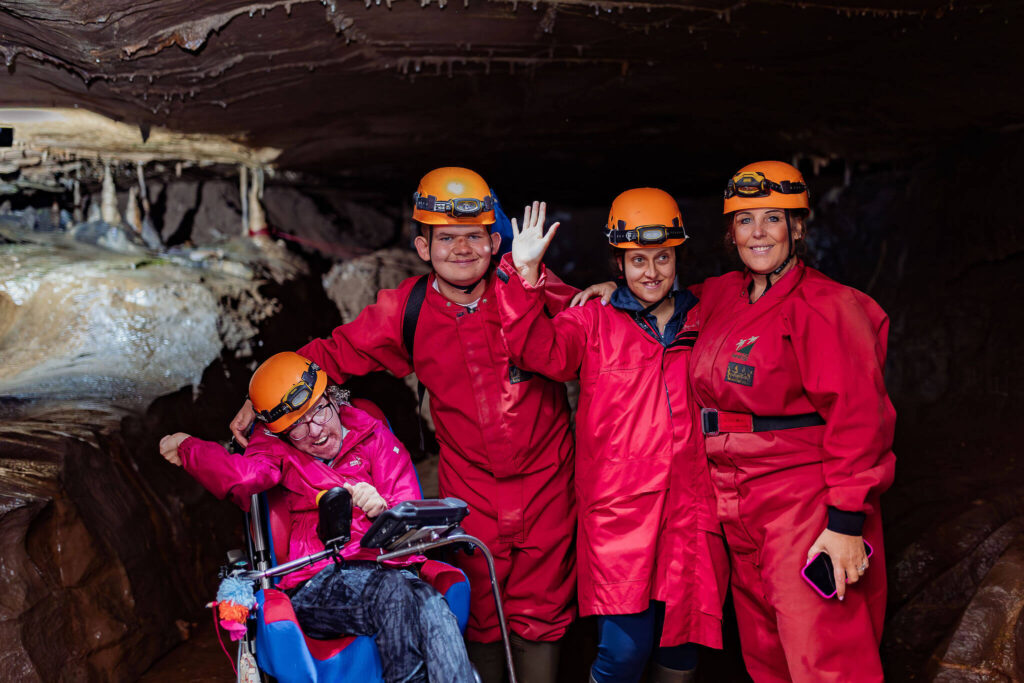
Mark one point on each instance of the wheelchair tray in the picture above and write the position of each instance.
(414, 520)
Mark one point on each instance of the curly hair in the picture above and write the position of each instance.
(338, 395)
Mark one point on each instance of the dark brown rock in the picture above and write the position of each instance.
(986, 643)
(91, 555)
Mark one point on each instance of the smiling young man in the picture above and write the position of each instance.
(504, 433)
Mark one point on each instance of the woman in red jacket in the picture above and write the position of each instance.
(799, 429)
(635, 433)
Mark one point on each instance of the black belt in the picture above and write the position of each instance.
(714, 422)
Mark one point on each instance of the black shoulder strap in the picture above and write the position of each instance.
(412, 313)
(409, 320)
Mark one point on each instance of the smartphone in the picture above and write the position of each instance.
(821, 575)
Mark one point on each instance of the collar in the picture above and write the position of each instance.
(783, 286)
(438, 301)
(624, 300)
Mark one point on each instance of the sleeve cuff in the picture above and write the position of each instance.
(507, 270)
(845, 522)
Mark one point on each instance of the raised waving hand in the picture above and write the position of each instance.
(530, 243)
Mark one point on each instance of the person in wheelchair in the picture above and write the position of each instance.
(313, 440)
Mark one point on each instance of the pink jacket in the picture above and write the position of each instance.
(369, 453)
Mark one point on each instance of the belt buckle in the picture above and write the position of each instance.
(709, 421)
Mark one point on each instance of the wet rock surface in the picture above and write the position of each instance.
(988, 644)
(105, 552)
(94, 542)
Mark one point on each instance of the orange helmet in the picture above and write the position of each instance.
(645, 217)
(453, 195)
(284, 388)
(766, 185)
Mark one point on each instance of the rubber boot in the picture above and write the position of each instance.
(535, 661)
(661, 674)
(488, 659)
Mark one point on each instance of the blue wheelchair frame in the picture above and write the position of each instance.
(277, 642)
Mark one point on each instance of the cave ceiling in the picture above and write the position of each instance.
(574, 92)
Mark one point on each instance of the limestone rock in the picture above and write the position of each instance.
(353, 285)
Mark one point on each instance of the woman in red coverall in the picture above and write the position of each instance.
(638, 563)
(799, 429)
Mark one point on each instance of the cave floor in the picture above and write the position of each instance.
(198, 659)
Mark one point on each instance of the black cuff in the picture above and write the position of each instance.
(844, 522)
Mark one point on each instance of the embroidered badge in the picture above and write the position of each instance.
(737, 373)
(517, 375)
(744, 347)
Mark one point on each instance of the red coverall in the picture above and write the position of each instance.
(635, 431)
(505, 447)
(807, 345)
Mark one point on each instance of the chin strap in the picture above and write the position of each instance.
(647, 311)
(789, 257)
(469, 288)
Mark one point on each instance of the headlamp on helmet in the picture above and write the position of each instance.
(646, 235)
(462, 207)
(766, 185)
(753, 184)
(295, 398)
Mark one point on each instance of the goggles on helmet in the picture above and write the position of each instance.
(647, 235)
(465, 207)
(752, 184)
(295, 398)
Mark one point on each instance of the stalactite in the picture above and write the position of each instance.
(243, 193)
(131, 212)
(108, 199)
(77, 212)
(257, 219)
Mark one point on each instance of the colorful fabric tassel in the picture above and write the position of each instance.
(234, 602)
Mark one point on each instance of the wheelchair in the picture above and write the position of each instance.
(274, 646)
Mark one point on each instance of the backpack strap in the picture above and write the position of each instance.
(409, 319)
(412, 313)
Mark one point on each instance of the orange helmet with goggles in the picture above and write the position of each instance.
(453, 195)
(766, 185)
(645, 217)
(284, 388)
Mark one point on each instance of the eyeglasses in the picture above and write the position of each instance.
(294, 398)
(647, 234)
(752, 184)
(465, 207)
(320, 417)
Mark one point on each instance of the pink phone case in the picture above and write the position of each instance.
(810, 582)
